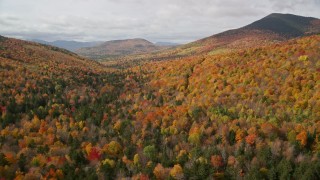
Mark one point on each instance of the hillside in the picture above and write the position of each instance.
(43, 88)
(117, 48)
(271, 29)
(69, 45)
(252, 113)
(29, 53)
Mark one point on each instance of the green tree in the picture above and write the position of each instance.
(150, 152)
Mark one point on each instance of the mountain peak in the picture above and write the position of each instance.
(288, 25)
(270, 29)
(287, 15)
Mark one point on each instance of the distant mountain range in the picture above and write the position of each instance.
(109, 49)
(273, 28)
(117, 48)
(69, 45)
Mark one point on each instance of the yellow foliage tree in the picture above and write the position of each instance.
(176, 172)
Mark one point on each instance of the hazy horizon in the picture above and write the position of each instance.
(157, 21)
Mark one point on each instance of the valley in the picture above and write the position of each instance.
(242, 104)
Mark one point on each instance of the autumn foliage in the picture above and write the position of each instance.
(251, 113)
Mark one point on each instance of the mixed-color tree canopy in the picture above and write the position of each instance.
(252, 112)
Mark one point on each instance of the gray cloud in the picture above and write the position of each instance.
(156, 20)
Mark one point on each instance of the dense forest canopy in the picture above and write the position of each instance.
(251, 113)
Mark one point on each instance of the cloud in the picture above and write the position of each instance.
(156, 20)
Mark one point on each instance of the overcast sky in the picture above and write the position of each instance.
(155, 20)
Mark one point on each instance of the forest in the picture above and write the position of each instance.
(251, 113)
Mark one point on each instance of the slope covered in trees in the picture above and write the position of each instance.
(250, 113)
(269, 30)
(46, 96)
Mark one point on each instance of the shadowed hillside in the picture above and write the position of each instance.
(288, 25)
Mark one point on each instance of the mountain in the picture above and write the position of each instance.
(287, 25)
(117, 48)
(69, 45)
(271, 29)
